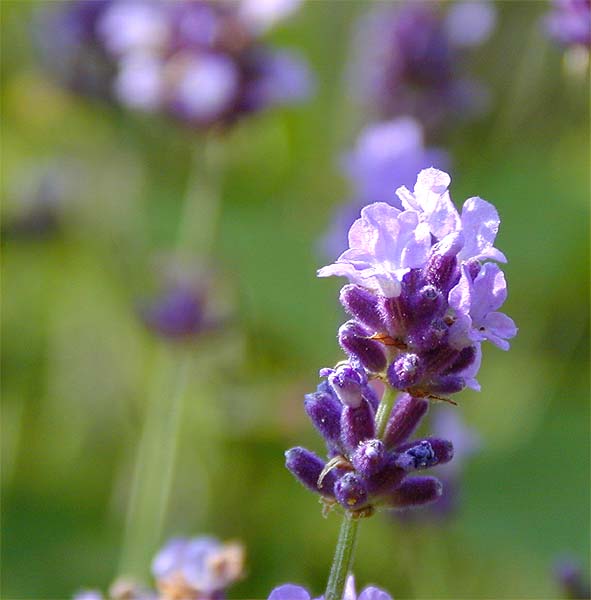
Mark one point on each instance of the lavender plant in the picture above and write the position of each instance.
(569, 23)
(200, 568)
(407, 59)
(200, 62)
(423, 294)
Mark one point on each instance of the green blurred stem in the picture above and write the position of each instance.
(384, 410)
(342, 562)
(343, 558)
(153, 473)
(154, 466)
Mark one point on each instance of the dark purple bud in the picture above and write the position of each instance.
(465, 358)
(347, 383)
(386, 479)
(307, 468)
(446, 385)
(440, 358)
(424, 454)
(414, 491)
(324, 411)
(355, 341)
(364, 306)
(441, 269)
(350, 491)
(428, 336)
(405, 371)
(357, 425)
(369, 457)
(405, 418)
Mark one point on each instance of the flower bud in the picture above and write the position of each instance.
(324, 411)
(357, 425)
(414, 491)
(369, 457)
(355, 341)
(347, 383)
(405, 371)
(350, 491)
(424, 454)
(405, 418)
(363, 306)
(307, 468)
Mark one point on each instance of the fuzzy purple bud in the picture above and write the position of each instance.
(357, 424)
(363, 306)
(441, 269)
(369, 457)
(356, 342)
(405, 418)
(424, 454)
(347, 383)
(307, 468)
(350, 491)
(415, 491)
(405, 371)
(324, 411)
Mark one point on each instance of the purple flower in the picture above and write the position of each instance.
(184, 308)
(569, 576)
(421, 299)
(196, 567)
(569, 22)
(88, 595)
(407, 57)
(384, 244)
(475, 302)
(198, 61)
(289, 591)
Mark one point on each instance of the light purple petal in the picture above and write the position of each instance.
(470, 22)
(374, 593)
(289, 591)
(480, 223)
(499, 327)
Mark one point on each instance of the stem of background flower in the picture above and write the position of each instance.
(156, 457)
(343, 558)
(154, 467)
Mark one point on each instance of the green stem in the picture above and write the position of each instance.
(384, 410)
(343, 558)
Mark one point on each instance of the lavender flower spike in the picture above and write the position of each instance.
(290, 591)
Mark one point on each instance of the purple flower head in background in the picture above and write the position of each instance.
(421, 293)
(182, 310)
(387, 156)
(569, 22)
(200, 567)
(569, 575)
(122, 589)
(289, 591)
(407, 57)
(198, 61)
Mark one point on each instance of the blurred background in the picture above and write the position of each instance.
(124, 423)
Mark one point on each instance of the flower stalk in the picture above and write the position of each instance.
(343, 558)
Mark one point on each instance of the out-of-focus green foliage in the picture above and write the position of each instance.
(79, 370)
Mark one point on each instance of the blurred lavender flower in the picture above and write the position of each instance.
(182, 311)
(289, 591)
(408, 56)
(570, 577)
(387, 155)
(198, 61)
(196, 568)
(122, 589)
(88, 595)
(569, 22)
